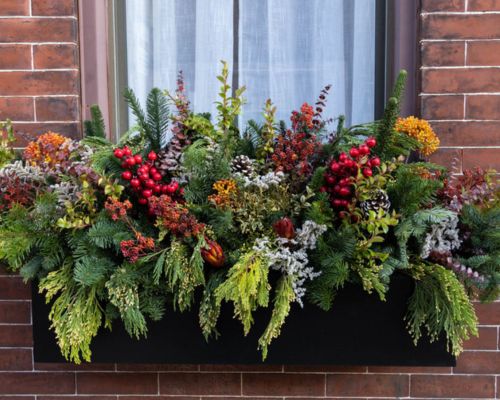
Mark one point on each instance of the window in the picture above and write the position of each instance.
(287, 50)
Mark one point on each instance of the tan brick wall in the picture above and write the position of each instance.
(39, 89)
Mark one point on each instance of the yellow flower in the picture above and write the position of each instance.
(422, 131)
(225, 189)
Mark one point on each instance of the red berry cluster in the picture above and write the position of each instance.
(343, 172)
(144, 179)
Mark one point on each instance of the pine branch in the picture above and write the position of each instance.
(158, 117)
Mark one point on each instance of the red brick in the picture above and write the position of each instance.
(466, 133)
(460, 26)
(196, 384)
(38, 30)
(157, 367)
(15, 56)
(443, 107)
(367, 385)
(39, 383)
(16, 336)
(17, 397)
(29, 131)
(325, 368)
(57, 108)
(483, 53)
(53, 7)
(450, 158)
(410, 370)
(116, 383)
(484, 5)
(15, 359)
(81, 398)
(487, 340)
(73, 367)
(240, 368)
(469, 387)
(14, 7)
(485, 158)
(15, 312)
(488, 314)
(39, 82)
(283, 384)
(55, 56)
(478, 362)
(483, 107)
(13, 288)
(16, 108)
(443, 53)
(461, 80)
(443, 5)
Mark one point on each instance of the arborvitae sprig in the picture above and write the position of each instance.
(210, 307)
(95, 127)
(283, 299)
(440, 305)
(75, 314)
(246, 286)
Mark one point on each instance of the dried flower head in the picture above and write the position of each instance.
(117, 209)
(422, 131)
(304, 118)
(49, 151)
(174, 217)
(132, 250)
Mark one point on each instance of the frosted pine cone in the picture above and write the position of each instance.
(378, 201)
(242, 165)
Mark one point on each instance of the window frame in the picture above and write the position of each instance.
(103, 50)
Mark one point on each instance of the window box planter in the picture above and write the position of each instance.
(359, 330)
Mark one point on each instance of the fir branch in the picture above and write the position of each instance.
(158, 116)
(95, 127)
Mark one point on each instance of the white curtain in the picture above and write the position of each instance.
(288, 50)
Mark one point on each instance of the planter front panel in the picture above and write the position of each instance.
(359, 330)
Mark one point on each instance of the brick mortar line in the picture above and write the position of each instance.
(455, 93)
(460, 67)
(423, 40)
(48, 43)
(46, 122)
(42, 70)
(38, 17)
(459, 13)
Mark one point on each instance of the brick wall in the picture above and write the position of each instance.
(39, 89)
(460, 48)
(39, 75)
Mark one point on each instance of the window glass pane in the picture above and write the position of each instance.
(287, 50)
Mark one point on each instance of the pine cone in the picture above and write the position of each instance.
(168, 161)
(242, 165)
(378, 201)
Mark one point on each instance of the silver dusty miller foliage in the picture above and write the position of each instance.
(290, 255)
(443, 237)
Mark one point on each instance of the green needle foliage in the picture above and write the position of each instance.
(153, 123)
(95, 127)
(440, 306)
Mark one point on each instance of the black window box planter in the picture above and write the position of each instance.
(359, 330)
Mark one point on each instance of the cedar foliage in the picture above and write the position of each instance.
(440, 306)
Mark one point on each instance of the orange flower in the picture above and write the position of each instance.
(49, 150)
(422, 131)
(213, 254)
